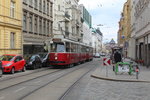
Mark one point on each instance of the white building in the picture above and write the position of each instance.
(97, 37)
(141, 29)
(66, 20)
(86, 26)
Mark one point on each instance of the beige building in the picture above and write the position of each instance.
(10, 27)
(124, 32)
(37, 25)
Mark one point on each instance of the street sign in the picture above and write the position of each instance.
(106, 61)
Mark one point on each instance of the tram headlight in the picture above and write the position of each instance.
(56, 58)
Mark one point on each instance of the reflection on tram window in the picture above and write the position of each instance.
(60, 48)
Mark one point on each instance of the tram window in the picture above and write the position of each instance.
(67, 47)
(60, 48)
(87, 50)
(53, 47)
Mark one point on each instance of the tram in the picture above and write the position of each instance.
(69, 53)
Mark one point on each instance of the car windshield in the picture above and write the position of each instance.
(6, 58)
(43, 55)
(32, 58)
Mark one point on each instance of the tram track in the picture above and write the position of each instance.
(26, 74)
(22, 98)
(72, 86)
(25, 89)
(1, 89)
(56, 81)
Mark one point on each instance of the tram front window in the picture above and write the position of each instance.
(57, 48)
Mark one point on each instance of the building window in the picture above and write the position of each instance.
(35, 4)
(40, 26)
(40, 5)
(30, 23)
(12, 9)
(44, 26)
(12, 40)
(30, 2)
(51, 25)
(48, 8)
(44, 10)
(35, 25)
(58, 7)
(48, 27)
(25, 21)
(51, 9)
(25, 1)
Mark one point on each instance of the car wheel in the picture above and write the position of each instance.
(24, 69)
(12, 70)
(1, 73)
(34, 66)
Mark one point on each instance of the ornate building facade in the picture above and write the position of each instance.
(10, 27)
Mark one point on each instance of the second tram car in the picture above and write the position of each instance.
(68, 53)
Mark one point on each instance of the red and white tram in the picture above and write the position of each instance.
(68, 53)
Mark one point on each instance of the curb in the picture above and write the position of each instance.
(118, 80)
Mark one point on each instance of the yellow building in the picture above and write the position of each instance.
(10, 27)
(124, 32)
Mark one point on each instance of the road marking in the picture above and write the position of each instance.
(2, 98)
(19, 89)
(37, 82)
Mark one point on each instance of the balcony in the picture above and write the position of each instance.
(77, 24)
(67, 17)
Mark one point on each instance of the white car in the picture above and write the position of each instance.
(97, 55)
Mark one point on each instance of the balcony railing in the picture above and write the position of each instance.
(67, 16)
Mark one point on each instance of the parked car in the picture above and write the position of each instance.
(97, 55)
(12, 63)
(34, 62)
(103, 54)
(1, 69)
(44, 58)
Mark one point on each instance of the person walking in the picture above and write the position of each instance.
(117, 57)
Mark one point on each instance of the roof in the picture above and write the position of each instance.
(112, 41)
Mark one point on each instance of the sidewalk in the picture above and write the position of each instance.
(100, 73)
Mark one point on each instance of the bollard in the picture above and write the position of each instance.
(137, 72)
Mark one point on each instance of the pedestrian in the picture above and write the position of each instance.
(117, 57)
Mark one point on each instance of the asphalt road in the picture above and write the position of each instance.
(87, 88)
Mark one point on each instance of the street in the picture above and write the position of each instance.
(52, 84)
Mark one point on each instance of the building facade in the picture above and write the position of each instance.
(124, 32)
(97, 37)
(10, 27)
(67, 23)
(86, 25)
(37, 25)
(142, 30)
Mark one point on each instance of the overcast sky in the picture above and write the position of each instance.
(106, 13)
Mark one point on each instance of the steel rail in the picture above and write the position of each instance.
(29, 80)
(77, 68)
(72, 86)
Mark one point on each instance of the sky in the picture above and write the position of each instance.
(105, 15)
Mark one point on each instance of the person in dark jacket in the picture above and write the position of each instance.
(117, 57)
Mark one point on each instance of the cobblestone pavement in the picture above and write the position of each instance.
(90, 88)
(108, 90)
